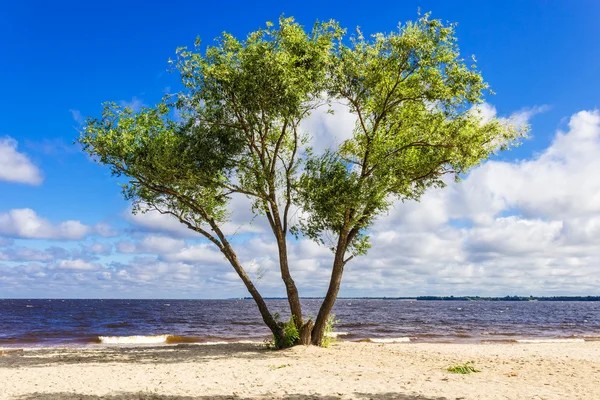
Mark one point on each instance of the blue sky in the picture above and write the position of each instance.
(61, 60)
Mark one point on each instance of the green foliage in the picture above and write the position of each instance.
(233, 129)
(414, 99)
(466, 368)
(328, 337)
(291, 335)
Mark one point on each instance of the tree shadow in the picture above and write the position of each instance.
(139, 355)
(152, 396)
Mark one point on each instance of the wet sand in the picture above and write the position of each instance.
(404, 371)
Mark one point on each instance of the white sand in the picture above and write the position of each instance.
(345, 371)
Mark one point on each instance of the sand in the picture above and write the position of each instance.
(407, 371)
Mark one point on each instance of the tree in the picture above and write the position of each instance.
(413, 97)
(234, 130)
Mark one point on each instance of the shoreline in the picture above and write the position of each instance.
(174, 340)
(347, 370)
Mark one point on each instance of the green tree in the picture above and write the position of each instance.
(234, 130)
(413, 97)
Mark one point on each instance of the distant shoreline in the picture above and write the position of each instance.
(417, 298)
(456, 298)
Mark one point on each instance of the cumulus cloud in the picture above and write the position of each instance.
(25, 223)
(240, 221)
(25, 254)
(15, 166)
(152, 244)
(203, 253)
(510, 227)
(328, 130)
(98, 248)
(558, 183)
(522, 117)
(105, 230)
(77, 265)
(135, 104)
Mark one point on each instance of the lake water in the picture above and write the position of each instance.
(91, 322)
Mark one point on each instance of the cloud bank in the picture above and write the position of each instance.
(521, 227)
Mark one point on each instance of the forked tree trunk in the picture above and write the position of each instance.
(290, 285)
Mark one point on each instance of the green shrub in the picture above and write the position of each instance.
(328, 338)
(291, 335)
(466, 368)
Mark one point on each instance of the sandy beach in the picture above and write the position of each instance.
(344, 371)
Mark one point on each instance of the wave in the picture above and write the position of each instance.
(389, 340)
(151, 339)
(164, 339)
(550, 340)
(155, 339)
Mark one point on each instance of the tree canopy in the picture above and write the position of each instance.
(234, 128)
(414, 99)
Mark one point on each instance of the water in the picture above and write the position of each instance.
(90, 322)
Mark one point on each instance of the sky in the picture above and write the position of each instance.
(527, 222)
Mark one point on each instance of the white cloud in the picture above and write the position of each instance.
(201, 253)
(15, 166)
(510, 227)
(98, 248)
(329, 130)
(152, 244)
(25, 223)
(25, 254)
(155, 222)
(135, 104)
(105, 230)
(561, 182)
(241, 221)
(77, 265)
(523, 116)
(519, 118)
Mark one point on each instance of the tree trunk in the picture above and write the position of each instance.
(318, 330)
(305, 332)
(267, 317)
(290, 285)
